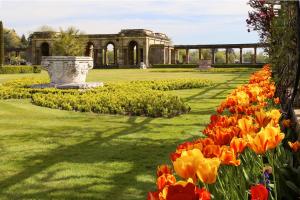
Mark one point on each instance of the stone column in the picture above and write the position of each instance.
(226, 55)
(200, 53)
(176, 55)
(96, 57)
(187, 58)
(163, 56)
(255, 55)
(241, 55)
(173, 56)
(170, 56)
(115, 56)
(146, 55)
(213, 56)
(105, 56)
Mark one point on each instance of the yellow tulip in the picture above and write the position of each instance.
(207, 170)
(186, 165)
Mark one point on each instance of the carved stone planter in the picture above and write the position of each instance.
(67, 72)
(67, 69)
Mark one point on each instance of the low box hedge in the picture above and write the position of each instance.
(174, 66)
(20, 69)
(213, 65)
(237, 65)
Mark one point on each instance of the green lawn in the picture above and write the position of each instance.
(54, 154)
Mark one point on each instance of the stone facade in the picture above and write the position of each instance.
(131, 47)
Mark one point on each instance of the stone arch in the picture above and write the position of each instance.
(110, 54)
(89, 50)
(45, 49)
(133, 52)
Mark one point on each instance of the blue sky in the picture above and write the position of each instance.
(185, 21)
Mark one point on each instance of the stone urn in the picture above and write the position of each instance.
(68, 72)
(67, 69)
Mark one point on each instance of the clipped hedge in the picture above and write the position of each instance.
(213, 65)
(178, 84)
(174, 66)
(260, 65)
(19, 69)
(144, 98)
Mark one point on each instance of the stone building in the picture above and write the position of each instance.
(130, 48)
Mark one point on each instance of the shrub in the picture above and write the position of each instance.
(19, 69)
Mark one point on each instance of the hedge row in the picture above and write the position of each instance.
(174, 66)
(20, 69)
(237, 65)
(144, 98)
(178, 84)
(213, 65)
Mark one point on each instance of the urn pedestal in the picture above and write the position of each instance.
(68, 72)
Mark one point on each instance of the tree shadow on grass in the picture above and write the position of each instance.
(139, 156)
(142, 155)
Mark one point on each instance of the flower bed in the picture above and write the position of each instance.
(241, 155)
(142, 98)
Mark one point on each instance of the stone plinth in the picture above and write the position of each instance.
(204, 64)
(69, 85)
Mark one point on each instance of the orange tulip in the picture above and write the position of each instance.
(267, 138)
(164, 180)
(207, 170)
(295, 146)
(286, 123)
(228, 157)
(163, 169)
(211, 151)
(222, 136)
(186, 165)
(277, 100)
(261, 118)
(238, 144)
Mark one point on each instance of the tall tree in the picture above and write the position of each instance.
(1, 44)
(46, 28)
(11, 39)
(69, 43)
(24, 42)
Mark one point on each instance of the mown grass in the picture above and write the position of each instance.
(55, 154)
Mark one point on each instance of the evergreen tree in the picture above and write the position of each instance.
(1, 44)
(24, 42)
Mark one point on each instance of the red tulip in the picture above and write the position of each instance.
(259, 192)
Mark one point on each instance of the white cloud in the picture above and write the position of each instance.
(183, 20)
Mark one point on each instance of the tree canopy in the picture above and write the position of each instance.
(69, 43)
(11, 39)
